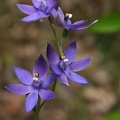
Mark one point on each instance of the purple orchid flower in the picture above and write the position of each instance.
(40, 11)
(64, 21)
(33, 85)
(64, 66)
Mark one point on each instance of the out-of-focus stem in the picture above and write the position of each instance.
(37, 109)
(64, 37)
(54, 32)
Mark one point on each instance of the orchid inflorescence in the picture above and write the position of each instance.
(35, 85)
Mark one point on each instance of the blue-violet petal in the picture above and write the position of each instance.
(37, 3)
(60, 19)
(55, 69)
(52, 55)
(82, 28)
(40, 67)
(33, 17)
(46, 94)
(48, 80)
(70, 52)
(51, 5)
(78, 24)
(63, 79)
(31, 101)
(80, 64)
(23, 75)
(19, 89)
(76, 78)
(27, 9)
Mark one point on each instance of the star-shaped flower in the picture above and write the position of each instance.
(40, 11)
(64, 66)
(64, 21)
(33, 85)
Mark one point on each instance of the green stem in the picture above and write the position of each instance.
(37, 109)
(41, 105)
(54, 32)
(54, 85)
(64, 37)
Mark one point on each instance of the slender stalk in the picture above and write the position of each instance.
(37, 109)
(41, 105)
(37, 115)
(54, 32)
(64, 37)
(54, 85)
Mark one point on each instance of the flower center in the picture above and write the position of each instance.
(43, 5)
(63, 61)
(68, 15)
(36, 81)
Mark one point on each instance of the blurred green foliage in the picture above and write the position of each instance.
(107, 23)
(113, 116)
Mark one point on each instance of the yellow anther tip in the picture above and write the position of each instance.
(62, 57)
(68, 15)
(36, 74)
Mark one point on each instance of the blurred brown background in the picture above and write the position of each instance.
(21, 43)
